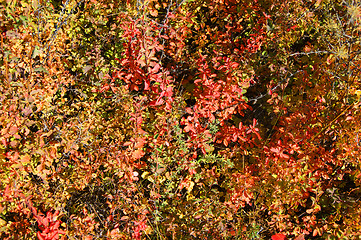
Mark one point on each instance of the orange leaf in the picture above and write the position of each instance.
(300, 237)
(25, 159)
(137, 154)
(124, 218)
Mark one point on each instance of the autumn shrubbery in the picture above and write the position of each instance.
(180, 120)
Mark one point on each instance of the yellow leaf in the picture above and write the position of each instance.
(358, 93)
(190, 186)
(145, 174)
(18, 165)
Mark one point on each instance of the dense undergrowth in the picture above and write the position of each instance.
(169, 119)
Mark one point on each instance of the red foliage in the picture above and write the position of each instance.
(180, 118)
(279, 236)
(48, 225)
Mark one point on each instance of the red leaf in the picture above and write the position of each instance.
(7, 191)
(146, 84)
(279, 236)
(33, 209)
(40, 236)
(156, 68)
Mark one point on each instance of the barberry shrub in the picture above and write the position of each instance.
(179, 119)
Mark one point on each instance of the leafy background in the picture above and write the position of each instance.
(169, 119)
